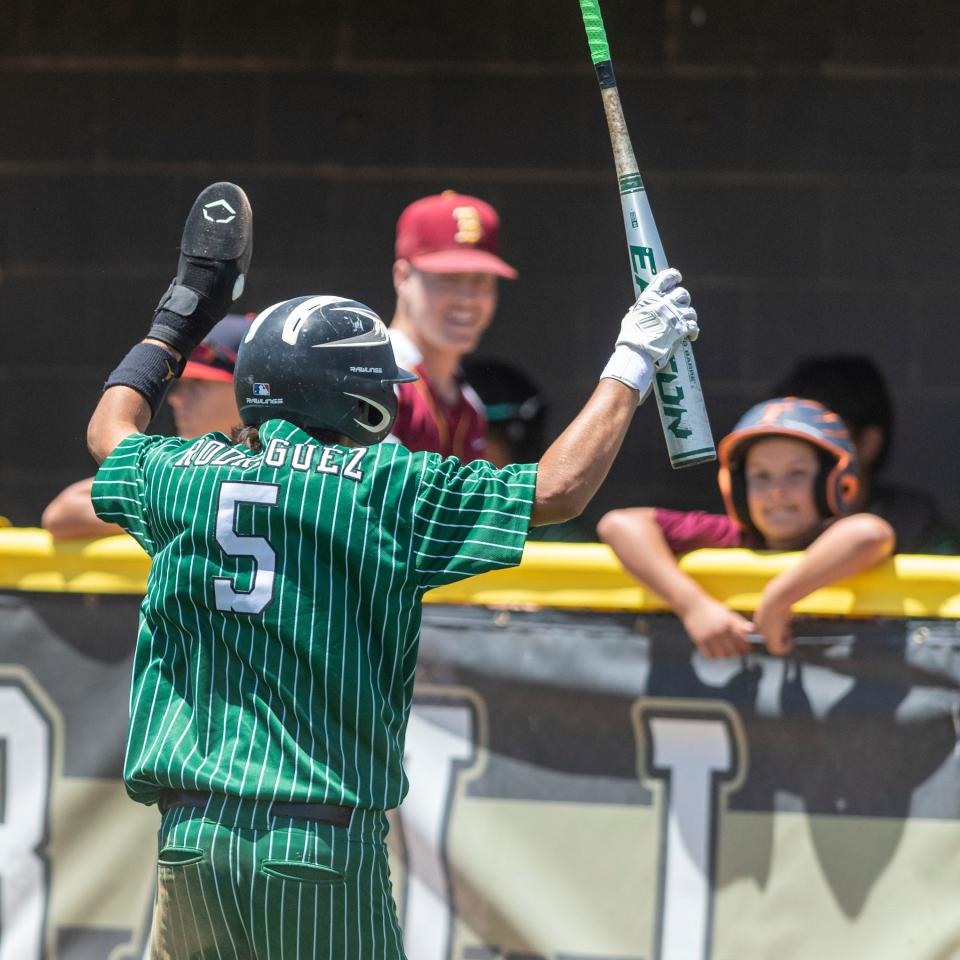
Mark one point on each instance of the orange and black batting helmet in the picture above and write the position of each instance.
(838, 482)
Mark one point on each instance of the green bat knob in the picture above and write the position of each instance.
(596, 35)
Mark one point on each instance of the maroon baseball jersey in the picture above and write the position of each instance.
(687, 530)
(425, 422)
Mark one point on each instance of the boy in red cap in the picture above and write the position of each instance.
(202, 400)
(445, 274)
(789, 479)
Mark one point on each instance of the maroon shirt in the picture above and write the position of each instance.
(687, 530)
(425, 422)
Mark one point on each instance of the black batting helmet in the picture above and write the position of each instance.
(321, 362)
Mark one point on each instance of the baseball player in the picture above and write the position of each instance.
(789, 479)
(445, 274)
(201, 400)
(278, 637)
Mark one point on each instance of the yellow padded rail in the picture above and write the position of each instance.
(570, 576)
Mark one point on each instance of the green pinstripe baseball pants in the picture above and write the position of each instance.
(234, 883)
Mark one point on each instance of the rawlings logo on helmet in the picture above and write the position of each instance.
(836, 487)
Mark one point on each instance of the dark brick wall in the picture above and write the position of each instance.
(803, 161)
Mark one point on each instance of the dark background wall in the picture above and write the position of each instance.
(803, 161)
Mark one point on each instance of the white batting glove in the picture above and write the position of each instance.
(660, 319)
(651, 330)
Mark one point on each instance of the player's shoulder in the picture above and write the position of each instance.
(193, 451)
(478, 475)
(418, 466)
(134, 447)
(392, 452)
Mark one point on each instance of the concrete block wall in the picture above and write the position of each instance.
(802, 161)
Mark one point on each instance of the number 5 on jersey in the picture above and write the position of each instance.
(234, 544)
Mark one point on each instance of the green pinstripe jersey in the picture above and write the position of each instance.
(278, 636)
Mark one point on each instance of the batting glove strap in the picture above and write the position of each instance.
(194, 303)
(631, 367)
(148, 369)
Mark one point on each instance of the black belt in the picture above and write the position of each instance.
(330, 813)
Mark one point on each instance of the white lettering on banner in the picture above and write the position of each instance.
(823, 688)
(695, 749)
(440, 745)
(25, 759)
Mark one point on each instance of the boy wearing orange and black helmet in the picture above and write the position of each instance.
(788, 475)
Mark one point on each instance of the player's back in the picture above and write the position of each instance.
(278, 636)
(300, 528)
(278, 615)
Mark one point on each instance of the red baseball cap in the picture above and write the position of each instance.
(452, 233)
(216, 355)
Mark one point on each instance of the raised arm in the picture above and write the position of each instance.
(846, 547)
(120, 412)
(215, 252)
(578, 461)
(639, 543)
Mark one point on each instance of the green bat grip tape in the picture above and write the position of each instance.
(596, 35)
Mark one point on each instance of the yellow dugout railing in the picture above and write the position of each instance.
(569, 576)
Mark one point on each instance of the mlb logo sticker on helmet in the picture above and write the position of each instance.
(261, 389)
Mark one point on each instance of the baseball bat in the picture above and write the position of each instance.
(683, 413)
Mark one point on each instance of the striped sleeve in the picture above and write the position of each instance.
(470, 518)
(119, 492)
